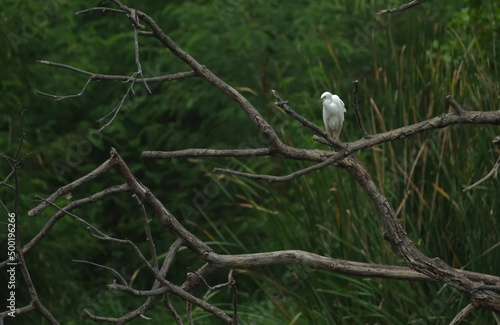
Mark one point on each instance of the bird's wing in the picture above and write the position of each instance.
(343, 105)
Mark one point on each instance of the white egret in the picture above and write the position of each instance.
(333, 113)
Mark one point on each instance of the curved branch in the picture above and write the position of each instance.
(271, 178)
(493, 172)
(464, 312)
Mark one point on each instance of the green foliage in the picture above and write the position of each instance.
(405, 65)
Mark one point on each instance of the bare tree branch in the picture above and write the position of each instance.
(102, 9)
(172, 288)
(234, 289)
(115, 272)
(493, 172)
(403, 7)
(189, 310)
(461, 315)
(271, 178)
(166, 300)
(104, 77)
(18, 311)
(149, 238)
(142, 293)
(148, 304)
(59, 214)
(207, 153)
(458, 109)
(58, 98)
(68, 188)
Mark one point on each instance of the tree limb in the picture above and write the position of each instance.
(401, 8)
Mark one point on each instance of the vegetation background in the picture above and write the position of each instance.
(405, 64)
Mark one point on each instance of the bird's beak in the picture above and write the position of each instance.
(319, 101)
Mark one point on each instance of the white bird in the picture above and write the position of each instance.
(333, 113)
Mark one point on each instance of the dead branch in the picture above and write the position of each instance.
(169, 306)
(104, 77)
(456, 107)
(461, 315)
(115, 272)
(492, 173)
(401, 8)
(271, 178)
(147, 228)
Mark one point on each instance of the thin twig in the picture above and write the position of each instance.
(456, 107)
(189, 309)
(133, 79)
(271, 178)
(140, 293)
(234, 289)
(493, 172)
(68, 188)
(166, 301)
(464, 312)
(117, 108)
(403, 7)
(192, 281)
(73, 205)
(105, 77)
(136, 47)
(102, 9)
(60, 97)
(115, 272)
(214, 288)
(85, 222)
(17, 312)
(149, 237)
(149, 303)
(96, 233)
(172, 251)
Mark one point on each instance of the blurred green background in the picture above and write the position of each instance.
(405, 64)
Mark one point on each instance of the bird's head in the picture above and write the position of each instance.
(324, 96)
